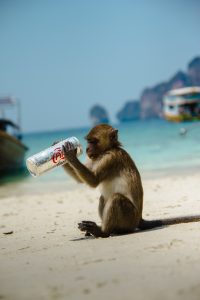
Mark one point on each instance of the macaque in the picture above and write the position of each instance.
(111, 168)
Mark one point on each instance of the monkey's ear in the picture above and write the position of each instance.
(114, 135)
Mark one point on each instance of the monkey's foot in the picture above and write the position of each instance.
(92, 228)
(88, 234)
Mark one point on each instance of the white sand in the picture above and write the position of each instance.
(47, 257)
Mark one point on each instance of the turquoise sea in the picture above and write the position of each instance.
(156, 146)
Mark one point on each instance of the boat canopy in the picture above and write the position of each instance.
(184, 91)
(188, 95)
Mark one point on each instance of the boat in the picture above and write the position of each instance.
(12, 149)
(182, 104)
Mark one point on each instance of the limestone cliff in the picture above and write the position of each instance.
(151, 98)
(129, 112)
(98, 114)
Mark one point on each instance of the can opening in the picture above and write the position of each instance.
(31, 167)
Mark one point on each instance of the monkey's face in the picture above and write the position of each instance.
(101, 139)
(92, 149)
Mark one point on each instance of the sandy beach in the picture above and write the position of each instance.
(47, 257)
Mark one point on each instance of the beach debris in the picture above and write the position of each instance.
(8, 232)
(183, 131)
(24, 248)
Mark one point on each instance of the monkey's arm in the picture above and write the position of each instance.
(80, 170)
(72, 173)
(84, 173)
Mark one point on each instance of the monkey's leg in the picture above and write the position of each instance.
(101, 206)
(119, 216)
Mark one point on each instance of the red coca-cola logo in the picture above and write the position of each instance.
(58, 155)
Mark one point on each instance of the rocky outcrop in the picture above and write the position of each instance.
(98, 114)
(194, 71)
(179, 80)
(129, 112)
(151, 100)
(150, 103)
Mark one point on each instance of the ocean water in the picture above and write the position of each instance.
(156, 146)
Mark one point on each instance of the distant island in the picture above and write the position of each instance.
(98, 114)
(130, 111)
(149, 105)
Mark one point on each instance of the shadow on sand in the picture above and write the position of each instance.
(85, 238)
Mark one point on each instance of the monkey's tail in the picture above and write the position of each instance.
(150, 224)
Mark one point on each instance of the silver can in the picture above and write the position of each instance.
(51, 157)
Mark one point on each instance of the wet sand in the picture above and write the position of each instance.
(47, 257)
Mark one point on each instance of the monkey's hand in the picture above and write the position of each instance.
(69, 152)
(81, 170)
(92, 228)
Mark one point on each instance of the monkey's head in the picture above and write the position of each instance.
(100, 139)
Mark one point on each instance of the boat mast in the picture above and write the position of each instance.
(18, 113)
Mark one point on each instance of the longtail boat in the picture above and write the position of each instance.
(12, 149)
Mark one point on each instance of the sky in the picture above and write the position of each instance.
(62, 57)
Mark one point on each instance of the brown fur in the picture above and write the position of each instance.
(111, 168)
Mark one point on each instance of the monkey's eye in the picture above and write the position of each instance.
(93, 141)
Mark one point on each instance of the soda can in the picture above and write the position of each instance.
(51, 157)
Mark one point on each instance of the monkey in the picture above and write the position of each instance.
(112, 169)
